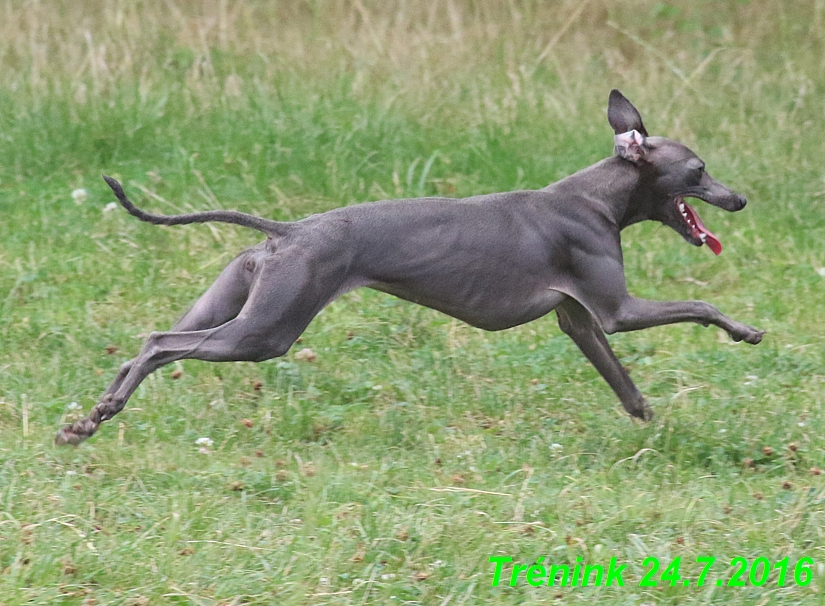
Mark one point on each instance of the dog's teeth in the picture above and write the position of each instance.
(682, 207)
(703, 238)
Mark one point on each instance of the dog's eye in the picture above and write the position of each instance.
(700, 169)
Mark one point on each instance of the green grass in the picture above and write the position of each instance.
(391, 468)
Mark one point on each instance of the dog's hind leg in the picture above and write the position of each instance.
(225, 297)
(222, 301)
(282, 300)
(577, 323)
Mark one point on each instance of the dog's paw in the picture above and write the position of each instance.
(641, 411)
(748, 334)
(66, 436)
(754, 337)
(76, 433)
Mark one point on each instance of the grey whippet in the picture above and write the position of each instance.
(494, 261)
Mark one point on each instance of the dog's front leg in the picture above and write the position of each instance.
(577, 323)
(636, 314)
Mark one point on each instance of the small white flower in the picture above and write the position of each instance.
(71, 472)
(387, 577)
(80, 196)
(723, 431)
(110, 207)
(73, 406)
(555, 446)
(204, 442)
(821, 271)
(801, 424)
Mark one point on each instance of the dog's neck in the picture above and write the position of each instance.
(615, 184)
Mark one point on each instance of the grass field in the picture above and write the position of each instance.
(392, 467)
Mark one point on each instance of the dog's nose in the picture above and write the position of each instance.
(742, 201)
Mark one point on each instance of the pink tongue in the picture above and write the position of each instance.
(712, 241)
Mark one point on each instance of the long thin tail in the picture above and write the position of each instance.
(225, 216)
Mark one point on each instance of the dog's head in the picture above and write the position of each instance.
(669, 173)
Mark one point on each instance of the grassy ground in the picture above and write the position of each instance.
(413, 448)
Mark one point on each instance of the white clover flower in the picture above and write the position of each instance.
(204, 442)
(110, 207)
(80, 196)
(73, 406)
(556, 446)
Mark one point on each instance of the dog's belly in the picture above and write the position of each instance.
(492, 308)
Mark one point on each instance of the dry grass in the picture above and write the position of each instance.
(412, 447)
(423, 55)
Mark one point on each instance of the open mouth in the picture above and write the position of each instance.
(697, 228)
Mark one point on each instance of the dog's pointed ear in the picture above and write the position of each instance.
(631, 146)
(623, 117)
